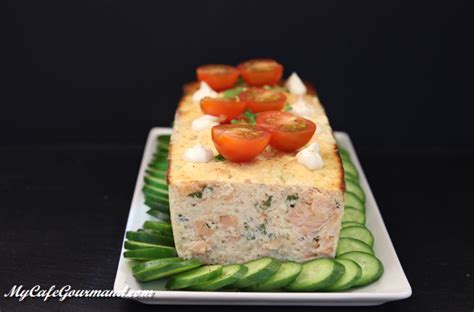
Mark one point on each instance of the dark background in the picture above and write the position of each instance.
(84, 81)
(388, 72)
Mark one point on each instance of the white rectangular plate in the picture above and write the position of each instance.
(392, 286)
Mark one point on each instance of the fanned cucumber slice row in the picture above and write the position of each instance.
(316, 275)
(285, 275)
(358, 232)
(346, 245)
(194, 277)
(230, 274)
(151, 253)
(352, 273)
(153, 270)
(259, 271)
(372, 268)
(353, 215)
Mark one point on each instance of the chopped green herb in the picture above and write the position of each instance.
(251, 117)
(292, 197)
(232, 93)
(197, 194)
(219, 157)
(248, 234)
(267, 203)
(262, 228)
(287, 107)
(182, 218)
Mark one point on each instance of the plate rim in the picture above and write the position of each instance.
(258, 298)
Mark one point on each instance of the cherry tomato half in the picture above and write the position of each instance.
(228, 107)
(218, 77)
(260, 100)
(240, 142)
(289, 132)
(260, 72)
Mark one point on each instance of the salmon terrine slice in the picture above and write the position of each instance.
(225, 212)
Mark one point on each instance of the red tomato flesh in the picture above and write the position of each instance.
(240, 142)
(289, 132)
(218, 77)
(260, 100)
(228, 107)
(260, 72)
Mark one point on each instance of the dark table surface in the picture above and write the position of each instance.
(63, 210)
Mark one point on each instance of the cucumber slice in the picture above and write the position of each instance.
(155, 192)
(162, 200)
(159, 215)
(350, 169)
(353, 215)
(285, 275)
(316, 275)
(149, 238)
(146, 266)
(163, 146)
(164, 139)
(132, 245)
(157, 232)
(160, 165)
(344, 153)
(156, 183)
(156, 173)
(348, 224)
(351, 200)
(230, 274)
(350, 178)
(259, 271)
(145, 254)
(372, 268)
(161, 154)
(152, 270)
(358, 232)
(354, 188)
(346, 245)
(352, 273)
(194, 277)
(158, 226)
(157, 206)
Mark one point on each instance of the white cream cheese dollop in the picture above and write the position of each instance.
(295, 85)
(204, 91)
(198, 154)
(302, 108)
(205, 122)
(310, 157)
